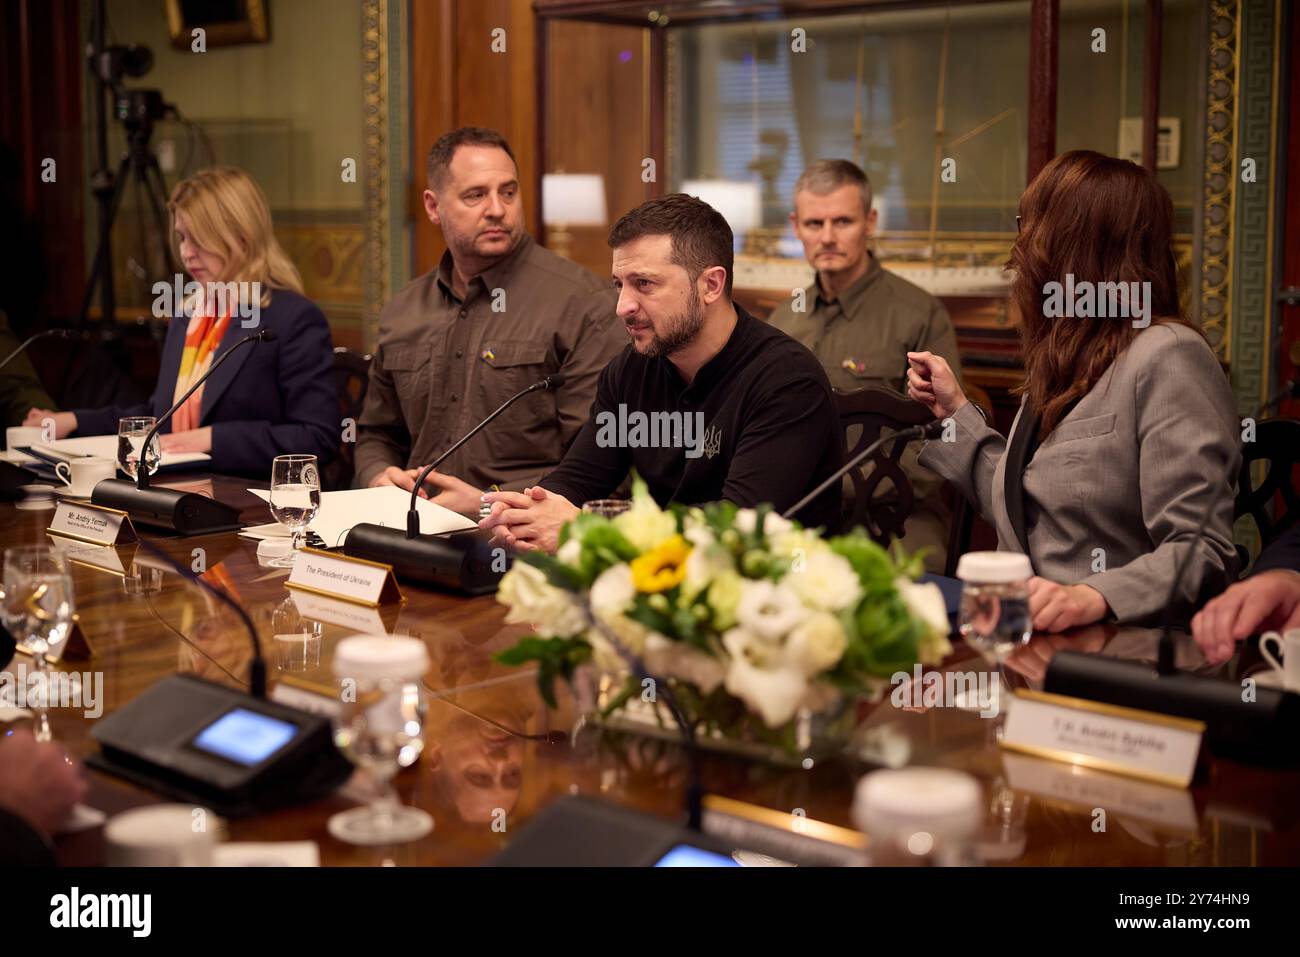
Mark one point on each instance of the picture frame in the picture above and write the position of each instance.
(225, 22)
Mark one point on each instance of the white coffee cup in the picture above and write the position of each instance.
(23, 436)
(1288, 643)
(162, 835)
(82, 475)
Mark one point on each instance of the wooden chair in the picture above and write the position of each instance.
(1277, 445)
(883, 512)
(864, 414)
(351, 380)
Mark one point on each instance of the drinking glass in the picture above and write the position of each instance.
(295, 499)
(379, 728)
(38, 609)
(994, 617)
(131, 433)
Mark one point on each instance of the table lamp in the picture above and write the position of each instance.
(571, 199)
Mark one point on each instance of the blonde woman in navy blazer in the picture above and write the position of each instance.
(271, 398)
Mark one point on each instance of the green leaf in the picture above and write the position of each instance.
(642, 613)
(555, 657)
(557, 573)
(874, 568)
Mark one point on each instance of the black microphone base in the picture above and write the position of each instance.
(183, 512)
(463, 562)
(1265, 730)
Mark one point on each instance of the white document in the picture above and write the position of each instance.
(105, 446)
(386, 505)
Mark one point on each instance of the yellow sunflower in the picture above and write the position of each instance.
(662, 567)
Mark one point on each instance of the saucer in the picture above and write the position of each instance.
(67, 491)
(1269, 678)
(35, 497)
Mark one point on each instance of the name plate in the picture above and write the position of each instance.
(1083, 790)
(362, 619)
(104, 558)
(1141, 744)
(351, 579)
(92, 523)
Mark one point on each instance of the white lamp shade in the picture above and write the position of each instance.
(740, 203)
(573, 199)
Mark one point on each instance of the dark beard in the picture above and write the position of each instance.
(683, 328)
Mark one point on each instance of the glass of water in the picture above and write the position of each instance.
(995, 602)
(295, 499)
(131, 433)
(38, 609)
(994, 617)
(380, 729)
(606, 507)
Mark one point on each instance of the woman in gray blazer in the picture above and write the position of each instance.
(1127, 429)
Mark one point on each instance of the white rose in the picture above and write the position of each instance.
(612, 592)
(696, 531)
(817, 645)
(645, 525)
(676, 659)
(769, 611)
(793, 543)
(774, 524)
(705, 563)
(551, 611)
(824, 580)
(610, 596)
(570, 552)
(772, 693)
(925, 601)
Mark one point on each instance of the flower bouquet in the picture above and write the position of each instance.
(742, 622)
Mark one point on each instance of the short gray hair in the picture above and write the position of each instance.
(827, 175)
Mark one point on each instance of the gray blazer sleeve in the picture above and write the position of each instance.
(969, 461)
(1188, 453)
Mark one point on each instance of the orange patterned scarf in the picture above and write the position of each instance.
(202, 337)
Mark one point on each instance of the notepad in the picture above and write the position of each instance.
(386, 505)
(105, 446)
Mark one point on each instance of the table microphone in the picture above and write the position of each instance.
(183, 512)
(49, 333)
(931, 430)
(1265, 729)
(462, 561)
(200, 741)
(550, 383)
(257, 669)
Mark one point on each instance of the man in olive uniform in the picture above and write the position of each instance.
(861, 321)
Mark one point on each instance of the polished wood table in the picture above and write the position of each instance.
(495, 754)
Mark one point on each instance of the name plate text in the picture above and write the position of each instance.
(1142, 744)
(351, 579)
(92, 523)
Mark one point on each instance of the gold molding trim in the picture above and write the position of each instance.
(374, 49)
(1219, 206)
(1275, 156)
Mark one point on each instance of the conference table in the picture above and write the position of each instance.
(495, 754)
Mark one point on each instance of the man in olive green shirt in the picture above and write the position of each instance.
(861, 321)
(20, 387)
(497, 315)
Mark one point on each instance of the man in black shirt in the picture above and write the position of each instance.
(706, 403)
